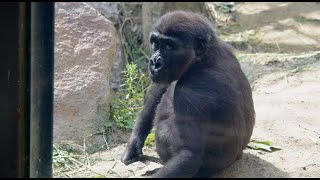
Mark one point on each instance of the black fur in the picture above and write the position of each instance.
(201, 102)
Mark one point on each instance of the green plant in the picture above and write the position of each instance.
(134, 52)
(150, 139)
(130, 99)
(130, 96)
(264, 145)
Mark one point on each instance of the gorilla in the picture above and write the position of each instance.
(200, 102)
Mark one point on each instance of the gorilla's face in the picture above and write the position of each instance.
(178, 40)
(171, 57)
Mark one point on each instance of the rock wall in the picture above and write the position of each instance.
(84, 54)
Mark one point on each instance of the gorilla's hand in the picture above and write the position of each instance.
(133, 151)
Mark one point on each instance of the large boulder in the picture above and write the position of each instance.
(84, 54)
(111, 11)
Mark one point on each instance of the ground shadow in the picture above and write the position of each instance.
(251, 166)
(255, 68)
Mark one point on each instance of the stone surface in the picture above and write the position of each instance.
(84, 54)
(108, 9)
(111, 11)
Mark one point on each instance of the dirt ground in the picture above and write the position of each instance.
(286, 92)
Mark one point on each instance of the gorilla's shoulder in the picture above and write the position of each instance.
(204, 95)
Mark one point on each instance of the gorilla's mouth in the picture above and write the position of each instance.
(156, 70)
(158, 76)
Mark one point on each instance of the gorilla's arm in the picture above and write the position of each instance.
(143, 124)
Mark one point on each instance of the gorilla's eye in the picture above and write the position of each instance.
(168, 47)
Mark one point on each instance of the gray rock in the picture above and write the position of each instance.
(107, 9)
(111, 11)
(84, 54)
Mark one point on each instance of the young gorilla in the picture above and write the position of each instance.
(201, 102)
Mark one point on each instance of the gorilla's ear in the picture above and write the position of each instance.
(199, 46)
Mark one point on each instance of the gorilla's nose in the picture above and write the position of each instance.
(157, 63)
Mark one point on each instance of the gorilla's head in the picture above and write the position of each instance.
(178, 40)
